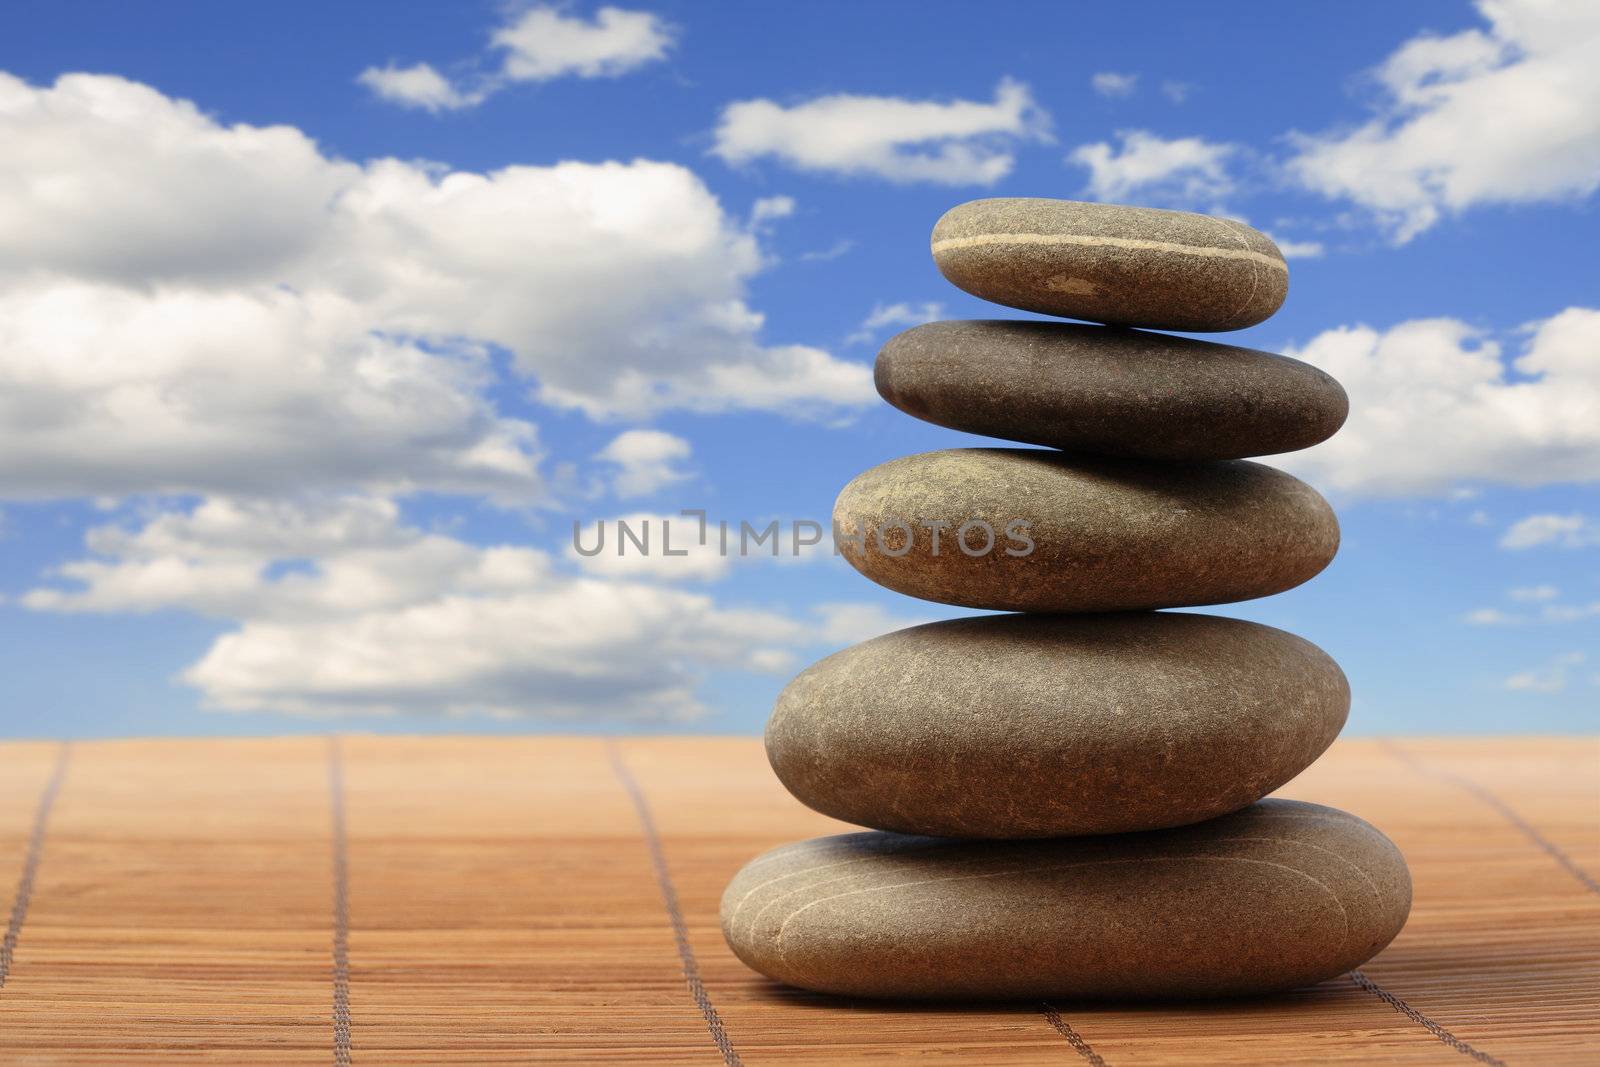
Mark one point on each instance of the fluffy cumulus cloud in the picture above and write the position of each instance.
(337, 606)
(768, 209)
(187, 305)
(418, 86)
(1505, 114)
(651, 547)
(543, 43)
(1186, 170)
(108, 390)
(106, 178)
(645, 461)
(956, 142)
(1564, 531)
(900, 314)
(1434, 404)
(538, 44)
(1293, 249)
(619, 287)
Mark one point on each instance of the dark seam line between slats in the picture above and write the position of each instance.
(1053, 1016)
(1550, 848)
(31, 859)
(669, 897)
(341, 907)
(1363, 982)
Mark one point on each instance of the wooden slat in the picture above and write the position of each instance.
(181, 910)
(506, 904)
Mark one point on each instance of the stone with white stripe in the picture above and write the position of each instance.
(1124, 266)
(1278, 896)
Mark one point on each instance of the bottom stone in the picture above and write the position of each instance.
(1279, 895)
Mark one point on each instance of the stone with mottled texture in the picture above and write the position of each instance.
(1106, 534)
(1108, 391)
(1013, 726)
(1274, 897)
(1127, 266)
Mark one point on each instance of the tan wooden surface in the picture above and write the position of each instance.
(503, 905)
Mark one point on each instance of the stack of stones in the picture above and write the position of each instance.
(1067, 801)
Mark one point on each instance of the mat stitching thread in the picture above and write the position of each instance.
(1550, 848)
(1363, 982)
(30, 864)
(341, 907)
(1075, 1039)
(669, 897)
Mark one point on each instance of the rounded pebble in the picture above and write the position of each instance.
(1127, 266)
(1037, 530)
(1108, 391)
(1274, 897)
(1015, 726)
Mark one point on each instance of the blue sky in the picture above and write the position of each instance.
(319, 328)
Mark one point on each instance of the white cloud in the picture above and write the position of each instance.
(1542, 596)
(539, 44)
(191, 306)
(1298, 249)
(109, 390)
(1565, 531)
(418, 86)
(340, 608)
(106, 178)
(542, 43)
(959, 142)
(1570, 612)
(832, 252)
(336, 606)
(1507, 115)
(846, 624)
(1551, 677)
(639, 283)
(646, 461)
(647, 546)
(1110, 84)
(1175, 91)
(900, 314)
(770, 208)
(1183, 170)
(1490, 617)
(1432, 405)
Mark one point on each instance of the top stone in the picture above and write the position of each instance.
(1123, 266)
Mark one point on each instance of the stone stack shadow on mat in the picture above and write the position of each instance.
(1067, 802)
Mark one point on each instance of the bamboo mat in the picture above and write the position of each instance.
(492, 900)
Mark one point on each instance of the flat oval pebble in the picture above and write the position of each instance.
(1106, 534)
(1109, 391)
(1013, 726)
(1275, 897)
(1128, 266)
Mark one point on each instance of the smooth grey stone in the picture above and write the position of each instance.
(1108, 391)
(1127, 266)
(1012, 726)
(1274, 897)
(1106, 534)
